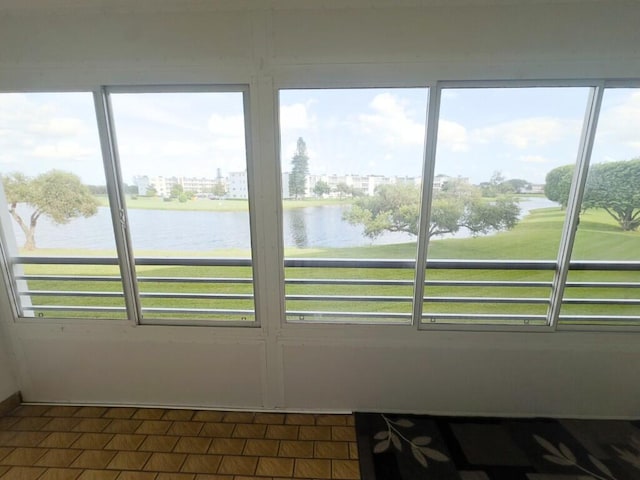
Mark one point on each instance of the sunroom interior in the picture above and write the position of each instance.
(323, 332)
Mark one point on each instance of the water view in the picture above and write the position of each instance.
(311, 227)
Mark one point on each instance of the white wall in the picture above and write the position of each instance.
(8, 383)
(319, 367)
(8, 378)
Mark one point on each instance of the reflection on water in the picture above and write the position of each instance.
(298, 228)
(311, 227)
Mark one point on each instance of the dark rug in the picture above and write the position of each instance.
(407, 447)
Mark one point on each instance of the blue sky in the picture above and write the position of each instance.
(523, 133)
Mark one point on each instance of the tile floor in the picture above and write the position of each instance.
(83, 443)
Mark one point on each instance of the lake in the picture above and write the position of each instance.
(313, 227)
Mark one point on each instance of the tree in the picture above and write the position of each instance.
(498, 185)
(97, 189)
(343, 190)
(615, 187)
(492, 188)
(515, 185)
(558, 183)
(321, 188)
(396, 208)
(176, 190)
(131, 189)
(151, 191)
(219, 190)
(55, 194)
(299, 170)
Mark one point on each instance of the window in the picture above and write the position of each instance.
(184, 154)
(175, 183)
(57, 235)
(345, 152)
(603, 284)
(493, 233)
(518, 202)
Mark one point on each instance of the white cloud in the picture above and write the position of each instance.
(226, 125)
(141, 110)
(131, 149)
(453, 136)
(533, 159)
(177, 148)
(526, 132)
(619, 124)
(229, 145)
(59, 126)
(295, 116)
(391, 122)
(62, 150)
(450, 94)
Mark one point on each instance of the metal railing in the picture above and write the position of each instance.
(378, 297)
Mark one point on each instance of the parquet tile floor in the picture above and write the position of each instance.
(40, 442)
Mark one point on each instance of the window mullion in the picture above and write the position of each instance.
(574, 203)
(116, 195)
(431, 134)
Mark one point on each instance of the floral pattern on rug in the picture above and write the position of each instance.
(404, 447)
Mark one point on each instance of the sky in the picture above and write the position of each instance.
(521, 132)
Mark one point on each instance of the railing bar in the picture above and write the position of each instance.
(349, 298)
(328, 281)
(89, 278)
(305, 313)
(601, 317)
(65, 260)
(194, 262)
(299, 281)
(486, 300)
(71, 293)
(248, 281)
(196, 310)
(325, 281)
(468, 283)
(189, 261)
(229, 296)
(195, 280)
(600, 301)
(151, 310)
(443, 264)
(471, 283)
(602, 285)
(73, 308)
(427, 315)
(599, 265)
(348, 263)
(490, 265)
(336, 298)
(410, 264)
(63, 293)
(321, 281)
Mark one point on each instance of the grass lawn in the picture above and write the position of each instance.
(204, 204)
(535, 238)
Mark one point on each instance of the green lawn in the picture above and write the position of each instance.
(204, 204)
(535, 238)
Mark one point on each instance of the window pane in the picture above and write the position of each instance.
(351, 162)
(609, 222)
(54, 186)
(184, 153)
(491, 220)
